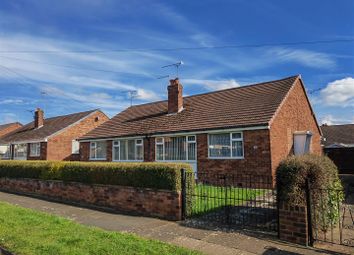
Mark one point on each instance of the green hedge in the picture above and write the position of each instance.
(325, 186)
(144, 175)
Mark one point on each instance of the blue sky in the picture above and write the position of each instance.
(58, 55)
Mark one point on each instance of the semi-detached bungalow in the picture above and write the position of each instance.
(52, 138)
(247, 129)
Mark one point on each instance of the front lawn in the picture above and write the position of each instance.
(27, 232)
(208, 198)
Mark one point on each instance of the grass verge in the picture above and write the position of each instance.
(26, 232)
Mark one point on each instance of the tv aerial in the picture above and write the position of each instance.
(132, 93)
(176, 65)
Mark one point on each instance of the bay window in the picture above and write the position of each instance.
(128, 150)
(178, 148)
(98, 150)
(226, 145)
(20, 151)
(35, 149)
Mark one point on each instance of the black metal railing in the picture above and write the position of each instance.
(332, 215)
(243, 200)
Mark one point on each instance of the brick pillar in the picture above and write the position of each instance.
(293, 225)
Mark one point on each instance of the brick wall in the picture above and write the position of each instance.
(148, 202)
(9, 129)
(59, 147)
(256, 156)
(294, 115)
(293, 225)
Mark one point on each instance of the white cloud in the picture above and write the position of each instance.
(147, 95)
(331, 120)
(213, 84)
(339, 93)
(96, 100)
(304, 57)
(11, 101)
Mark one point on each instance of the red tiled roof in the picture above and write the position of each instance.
(4, 126)
(252, 105)
(338, 134)
(51, 125)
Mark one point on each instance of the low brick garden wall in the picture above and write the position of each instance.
(163, 204)
(293, 225)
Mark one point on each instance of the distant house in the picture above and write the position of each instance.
(50, 139)
(8, 128)
(338, 144)
(247, 129)
(5, 130)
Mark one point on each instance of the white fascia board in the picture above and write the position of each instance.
(112, 138)
(212, 131)
(29, 141)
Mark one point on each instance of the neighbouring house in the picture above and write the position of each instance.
(242, 130)
(338, 145)
(52, 138)
(5, 130)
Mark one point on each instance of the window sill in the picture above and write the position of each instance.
(96, 159)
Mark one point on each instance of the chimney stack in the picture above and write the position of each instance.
(175, 96)
(38, 118)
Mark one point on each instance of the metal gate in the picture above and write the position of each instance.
(332, 215)
(229, 200)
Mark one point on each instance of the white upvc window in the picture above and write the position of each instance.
(75, 147)
(20, 151)
(176, 148)
(98, 150)
(128, 150)
(35, 149)
(5, 151)
(226, 145)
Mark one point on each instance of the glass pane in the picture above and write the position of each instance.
(116, 143)
(139, 141)
(92, 152)
(131, 149)
(191, 138)
(139, 153)
(116, 153)
(101, 150)
(123, 150)
(237, 150)
(236, 136)
(159, 152)
(219, 145)
(159, 140)
(175, 148)
(191, 151)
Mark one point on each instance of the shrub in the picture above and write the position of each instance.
(143, 175)
(325, 185)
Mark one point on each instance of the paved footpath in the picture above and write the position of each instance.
(206, 241)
